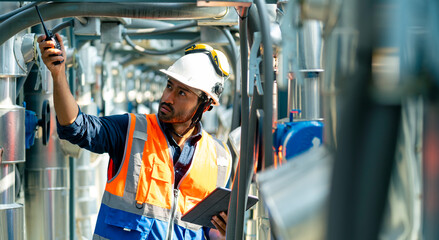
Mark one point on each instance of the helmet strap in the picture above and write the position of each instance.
(197, 115)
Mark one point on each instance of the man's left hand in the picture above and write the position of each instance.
(220, 225)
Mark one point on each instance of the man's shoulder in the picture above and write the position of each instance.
(220, 146)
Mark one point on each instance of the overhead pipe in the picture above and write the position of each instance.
(147, 23)
(143, 50)
(12, 13)
(157, 11)
(161, 30)
(61, 26)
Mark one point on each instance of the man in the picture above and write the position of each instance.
(161, 165)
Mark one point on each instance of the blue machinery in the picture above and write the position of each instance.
(357, 160)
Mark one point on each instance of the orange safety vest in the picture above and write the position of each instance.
(144, 184)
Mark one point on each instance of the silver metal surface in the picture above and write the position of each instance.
(89, 58)
(111, 32)
(28, 47)
(46, 195)
(12, 138)
(12, 134)
(46, 185)
(9, 56)
(157, 11)
(7, 183)
(304, 89)
(296, 195)
(7, 91)
(86, 207)
(310, 45)
(339, 63)
(11, 222)
(326, 11)
(217, 3)
(403, 217)
(305, 97)
(212, 35)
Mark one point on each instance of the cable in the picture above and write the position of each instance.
(268, 84)
(153, 31)
(142, 50)
(107, 47)
(236, 205)
(63, 25)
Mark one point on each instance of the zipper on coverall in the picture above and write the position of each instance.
(174, 207)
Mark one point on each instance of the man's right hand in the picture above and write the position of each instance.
(50, 54)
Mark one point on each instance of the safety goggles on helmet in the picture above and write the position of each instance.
(213, 56)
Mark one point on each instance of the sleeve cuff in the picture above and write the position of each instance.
(64, 130)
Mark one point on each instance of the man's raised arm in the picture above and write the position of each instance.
(65, 105)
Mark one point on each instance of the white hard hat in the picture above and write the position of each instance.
(197, 70)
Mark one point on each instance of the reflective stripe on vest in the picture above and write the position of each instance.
(144, 182)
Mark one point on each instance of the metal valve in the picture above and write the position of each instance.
(44, 122)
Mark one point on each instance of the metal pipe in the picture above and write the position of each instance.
(47, 176)
(232, 52)
(11, 142)
(257, 104)
(7, 91)
(11, 213)
(161, 30)
(340, 66)
(366, 144)
(244, 157)
(142, 50)
(82, 20)
(254, 23)
(158, 11)
(305, 96)
(72, 162)
(234, 49)
(268, 83)
(11, 13)
(147, 23)
(235, 219)
(63, 25)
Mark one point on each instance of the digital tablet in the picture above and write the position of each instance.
(216, 202)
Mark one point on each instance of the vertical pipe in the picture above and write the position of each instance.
(11, 142)
(47, 174)
(252, 158)
(268, 83)
(235, 219)
(72, 162)
(233, 51)
(366, 144)
(305, 96)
